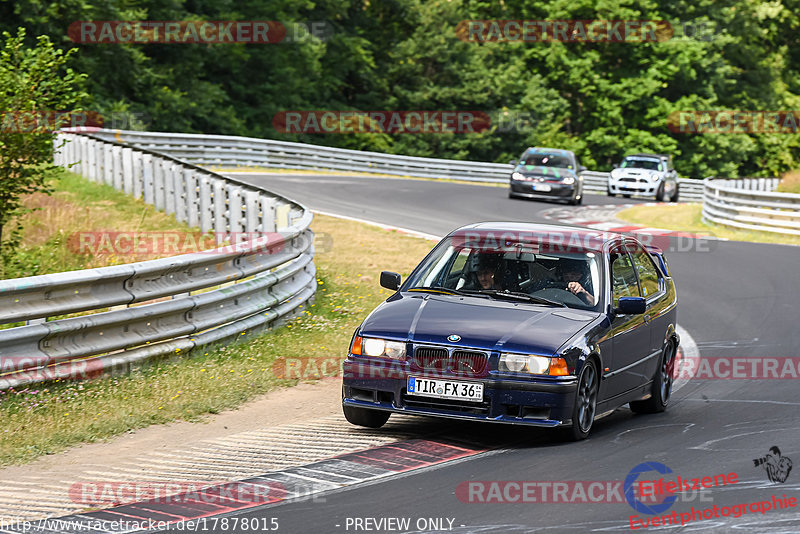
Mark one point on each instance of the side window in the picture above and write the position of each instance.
(648, 273)
(623, 276)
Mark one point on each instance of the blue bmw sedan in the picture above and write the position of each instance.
(519, 323)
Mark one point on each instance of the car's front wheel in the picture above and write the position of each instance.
(365, 416)
(660, 192)
(585, 403)
(662, 384)
(674, 197)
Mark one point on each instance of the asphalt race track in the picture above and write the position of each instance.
(736, 300)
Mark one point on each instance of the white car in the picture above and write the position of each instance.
(645, 174)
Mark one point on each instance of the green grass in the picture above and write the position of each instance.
(688, 218)
(46, 419)
(790, 183)
(78, 205)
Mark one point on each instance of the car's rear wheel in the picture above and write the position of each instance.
(660, 192)
(365, 416)
(585, 403)
(662, 384)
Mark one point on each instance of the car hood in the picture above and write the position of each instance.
(481, 323)
(550, 172)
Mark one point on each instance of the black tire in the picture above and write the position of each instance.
(511, 195)
(660, 192)
(625, 195)
(583, 412)
(674, 197)
(609, 193)
(662, 385)
(364, 416)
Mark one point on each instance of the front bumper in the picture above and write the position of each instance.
(531, 189)
(633, 188)
(544, 403)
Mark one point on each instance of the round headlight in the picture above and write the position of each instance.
(513, 362)
(568, 180)
(517, 176)
(395, 350)
(653, 177)
(373, 347)
(538, 365)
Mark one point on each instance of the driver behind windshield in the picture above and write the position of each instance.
(486, 274)
(576, 275)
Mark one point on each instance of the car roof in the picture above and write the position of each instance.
(554, 150)
(656, 156)
(586, 238)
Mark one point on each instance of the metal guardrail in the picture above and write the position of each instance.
(751, 204)
(274, 270)
(230, 151)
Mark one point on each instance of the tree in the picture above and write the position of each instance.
(36, 87)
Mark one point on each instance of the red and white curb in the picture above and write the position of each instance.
(188, 510)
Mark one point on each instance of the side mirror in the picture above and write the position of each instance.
(631, 306)
(581, 168)
(390, 280)
(513, 162)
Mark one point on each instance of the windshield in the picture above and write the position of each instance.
(649, 164)
(545, 159)
(512, 270)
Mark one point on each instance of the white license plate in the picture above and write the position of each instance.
(541, 187)
(445, 389)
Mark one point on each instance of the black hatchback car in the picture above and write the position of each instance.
(547, 173)
(519, 323)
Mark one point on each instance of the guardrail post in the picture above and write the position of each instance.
(268, 216)
(108, 177)
(138, 177)
(235, 222)
(147, 179)
(251, 211)
(206, 203)
(158, 184)
(220, 208)
(190, 197)
(116, 163)
(92, 160)
(170, 186)
(127, 170)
